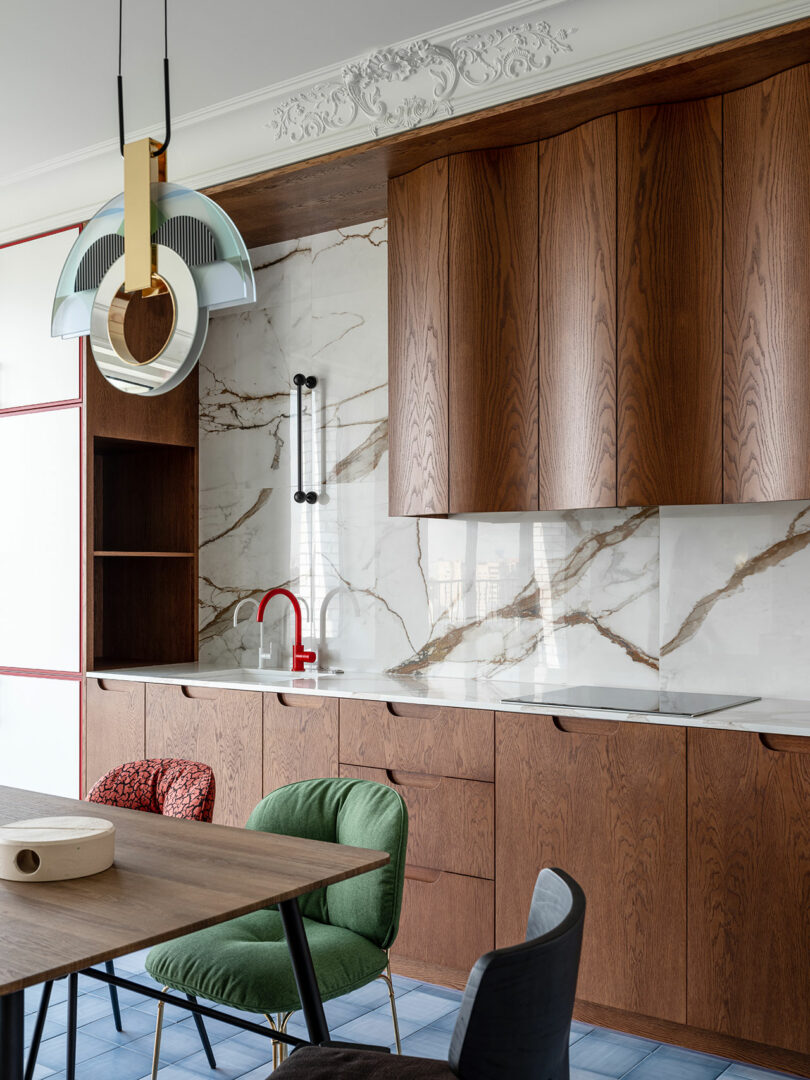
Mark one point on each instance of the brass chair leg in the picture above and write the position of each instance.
(279, 1048)
(158, 1033)
(389, 982)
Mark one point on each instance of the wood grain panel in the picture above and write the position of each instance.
(114, 726)
(611, 810)
(749, 888)
(221, 728)
(451, 823)
(577, 437)
(670, 304)
(418, 738)
(300, 739)
(417, 342)
(347, 186)
(493, 330)
(766, 401)
(447, 920)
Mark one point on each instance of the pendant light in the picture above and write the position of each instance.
(149, 266)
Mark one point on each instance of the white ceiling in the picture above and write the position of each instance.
(58, 59)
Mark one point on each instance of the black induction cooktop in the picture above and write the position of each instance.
(622, 699)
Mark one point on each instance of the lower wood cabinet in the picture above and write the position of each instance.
(605, 801)
(300, 739)
(114, 726)
(749, 886)
(451, 823)
(447, 923)
(221, 728)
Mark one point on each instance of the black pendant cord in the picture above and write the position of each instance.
(167, 108)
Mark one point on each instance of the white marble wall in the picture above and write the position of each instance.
(720, 593)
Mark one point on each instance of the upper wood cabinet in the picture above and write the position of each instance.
(613, 316)
(670, 358)
(767, 283)
(493, 330)
(577, 439)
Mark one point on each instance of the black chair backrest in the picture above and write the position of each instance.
(515, 1018)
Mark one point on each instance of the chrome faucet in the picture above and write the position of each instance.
(300, 655)
(262, 654)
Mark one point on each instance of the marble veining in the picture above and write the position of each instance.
(702, 598)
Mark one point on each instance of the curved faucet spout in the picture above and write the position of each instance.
(301, 655)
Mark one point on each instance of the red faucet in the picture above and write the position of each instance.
(300, 655)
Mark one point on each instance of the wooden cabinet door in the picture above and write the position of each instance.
(749, 886)
(670, 355)
(418, 341)
(114, 726)
(767, 284)
(493, 330)
(221, 728)
(300, 738)
(606, 802)
(577, 465)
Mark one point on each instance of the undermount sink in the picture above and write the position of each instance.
(266, 675)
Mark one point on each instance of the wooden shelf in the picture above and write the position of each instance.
(144, 554)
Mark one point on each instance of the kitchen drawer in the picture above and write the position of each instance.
(221, 728)
(300, 738)
(451, 822)
(114, 725)
(418, 738)
(448, 920)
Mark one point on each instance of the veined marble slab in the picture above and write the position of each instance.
(769, 716)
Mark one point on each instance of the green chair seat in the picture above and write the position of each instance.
(244, 963)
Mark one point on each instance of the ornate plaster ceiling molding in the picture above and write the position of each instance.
(511, 52)
(403, 86)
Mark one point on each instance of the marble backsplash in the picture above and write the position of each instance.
(702, 598)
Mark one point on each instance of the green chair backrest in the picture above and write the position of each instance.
(346, 811)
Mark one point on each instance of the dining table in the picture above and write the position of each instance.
(170, 877)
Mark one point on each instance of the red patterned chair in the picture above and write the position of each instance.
(168, 786)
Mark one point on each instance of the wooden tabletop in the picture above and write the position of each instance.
(170, 877)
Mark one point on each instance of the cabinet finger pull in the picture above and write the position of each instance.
(196, 693)
(422, 873)
(412, 779)
(414, 712)
(310, 382)
(583, 725)
(793, 744)
(112, 688)
(300, 701)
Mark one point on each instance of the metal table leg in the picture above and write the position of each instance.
(11, 1035)
(303, 970)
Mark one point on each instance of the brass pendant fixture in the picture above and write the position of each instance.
(147, 268)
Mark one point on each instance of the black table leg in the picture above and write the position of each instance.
(303, 971)
(11, 1035)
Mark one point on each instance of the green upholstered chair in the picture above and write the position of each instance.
(350, 926)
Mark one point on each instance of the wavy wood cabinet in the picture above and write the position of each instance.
(611, 316)
(115, 726)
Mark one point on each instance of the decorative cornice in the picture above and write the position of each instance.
(515, 51)
(389, 88)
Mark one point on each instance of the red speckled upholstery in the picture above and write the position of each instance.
(168, 786)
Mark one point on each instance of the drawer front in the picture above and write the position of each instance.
(451, 823)
(300, 738)
(221, 728)
(447, 920)
(114, 726)
(418, 738)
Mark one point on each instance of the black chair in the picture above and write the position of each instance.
(515, 1017)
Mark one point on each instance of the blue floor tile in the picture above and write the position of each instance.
(609, 1053)
(429, 1042)
(673, 1063)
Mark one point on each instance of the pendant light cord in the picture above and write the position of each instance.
(168, 118)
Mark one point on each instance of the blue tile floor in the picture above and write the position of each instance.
(426, 1018)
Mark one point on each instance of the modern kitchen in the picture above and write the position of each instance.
(406, 477)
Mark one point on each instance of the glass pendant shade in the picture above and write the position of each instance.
(202, 263)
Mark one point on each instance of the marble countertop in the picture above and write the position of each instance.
(769, 715)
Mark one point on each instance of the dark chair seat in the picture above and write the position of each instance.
(314, 1063)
